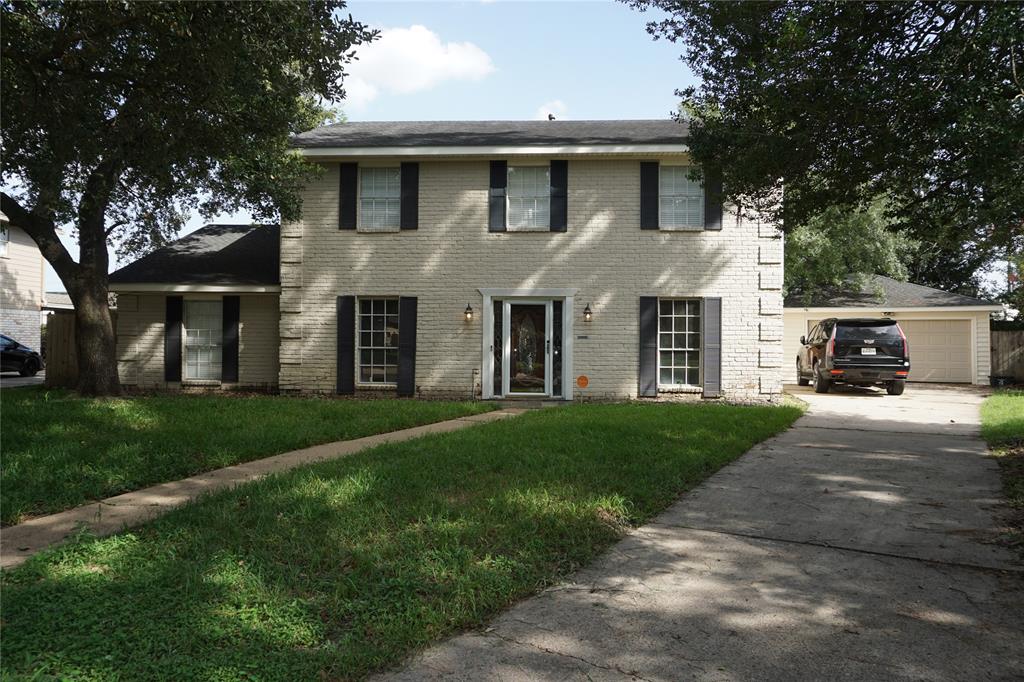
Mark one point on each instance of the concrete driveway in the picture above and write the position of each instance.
(15, 380)
(857, 545)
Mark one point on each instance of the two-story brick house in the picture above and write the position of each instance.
(504, 259)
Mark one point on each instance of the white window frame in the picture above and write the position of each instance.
(219, 342)
(680, 195)
(391, 225)
(699, 349)
(360, 347)
(536, 197)
(5, 240)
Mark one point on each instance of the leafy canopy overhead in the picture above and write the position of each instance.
(166, 106)
(922, 103)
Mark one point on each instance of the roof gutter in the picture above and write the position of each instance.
(196, 288)
(494, 150)
(896, 309)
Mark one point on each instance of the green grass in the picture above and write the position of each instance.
(1002, 427)
(60, 450)
(343, 568)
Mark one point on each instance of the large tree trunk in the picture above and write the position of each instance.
(95, 342)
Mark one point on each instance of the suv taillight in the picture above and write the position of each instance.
(832, 345)
(906, 346)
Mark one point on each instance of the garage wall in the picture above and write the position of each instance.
(140, 339)
(930, 326)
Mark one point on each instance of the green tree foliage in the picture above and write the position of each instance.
(838, 243)
(920, 102)
(121, 117)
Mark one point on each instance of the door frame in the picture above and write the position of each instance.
(509, 296)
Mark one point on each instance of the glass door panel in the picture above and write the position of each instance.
(528, 344)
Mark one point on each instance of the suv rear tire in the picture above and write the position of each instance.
(895, 387)
(801, 380)
(29, 369)
(821, 384)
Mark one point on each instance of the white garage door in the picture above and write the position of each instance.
(940, 350)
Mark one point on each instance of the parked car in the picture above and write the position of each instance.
(858, 352)
(15, 357)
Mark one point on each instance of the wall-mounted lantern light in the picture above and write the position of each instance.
(588, 314)
(469, 313)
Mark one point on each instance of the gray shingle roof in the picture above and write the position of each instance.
(884, 291)
(485, 133)
(213, 254)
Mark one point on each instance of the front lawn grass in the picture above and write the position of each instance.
(61, 450)
(1002, 427)
(343, 568)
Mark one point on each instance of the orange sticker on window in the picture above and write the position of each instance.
(582, 381)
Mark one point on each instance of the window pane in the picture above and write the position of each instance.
(378, 335)
(681, 199)
(529, 197)
(666, 376)
(679, 342)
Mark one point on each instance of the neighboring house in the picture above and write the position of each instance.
(948, 334)
(57, 300)
(21, 284)
(492, 259)
(201, 311)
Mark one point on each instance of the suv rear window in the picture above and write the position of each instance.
(872, 330)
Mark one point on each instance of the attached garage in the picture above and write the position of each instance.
(948, 333)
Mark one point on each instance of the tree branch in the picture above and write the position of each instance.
(44, 232)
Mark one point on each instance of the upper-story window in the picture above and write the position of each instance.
(5, 240)
(380, 198)
(681, 199)
(529, 197)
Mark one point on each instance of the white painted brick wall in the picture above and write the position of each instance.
(604, 254)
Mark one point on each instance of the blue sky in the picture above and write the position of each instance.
(502, 60)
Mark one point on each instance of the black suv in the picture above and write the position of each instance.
(859, 352)
(15, 357)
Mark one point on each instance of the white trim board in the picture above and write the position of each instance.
(197, 288)
(493, 150)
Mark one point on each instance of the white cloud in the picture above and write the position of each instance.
(407, 60)
(555, 106)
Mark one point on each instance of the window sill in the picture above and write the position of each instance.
(372, 387)
(682, 228)
(200, 382)
(527, 229)
(378, 230)
(680, 389)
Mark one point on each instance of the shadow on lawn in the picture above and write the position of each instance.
(344, 567)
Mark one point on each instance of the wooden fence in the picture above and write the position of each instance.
(1008, 354)
(61, 361)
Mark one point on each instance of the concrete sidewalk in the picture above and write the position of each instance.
(18, 543)
(857, 545)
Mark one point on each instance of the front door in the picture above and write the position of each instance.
(528, 345)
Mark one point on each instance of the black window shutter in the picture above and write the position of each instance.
(559, 196)
(347, 196)
(346, 382)
(496, 202)
(713, 199)
(172, 338)
(648, 195)
(231, 305)
(409, 214)
(407, 345)
(711, 332)
(648, 346)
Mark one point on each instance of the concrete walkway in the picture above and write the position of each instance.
(854, 546)
(18, 543)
